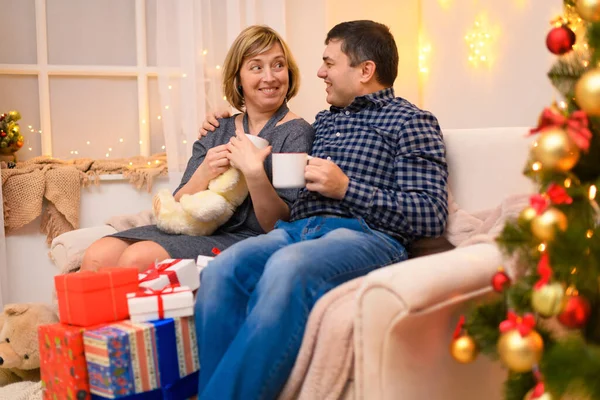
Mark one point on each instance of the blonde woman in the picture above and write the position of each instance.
(259, 76)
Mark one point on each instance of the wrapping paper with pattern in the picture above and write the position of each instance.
(122, 359)
(63, 368)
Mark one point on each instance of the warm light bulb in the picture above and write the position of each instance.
(170, 87)
(205, 52)
(121, 140)
(184, 141)
(163, 147)
(536, 166)
(592, 192)
(166, 107)
(159, 117)
(567, 183)
(140, 142)
(143, 121)
(589, 233)
(542, 247)
(110, 149)
(107, 154)
(218, 67)
(88, 142)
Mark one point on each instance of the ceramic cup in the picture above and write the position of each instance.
(259, 142)
(288, 170)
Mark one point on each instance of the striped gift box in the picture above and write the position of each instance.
(187, 349)
(122, 359)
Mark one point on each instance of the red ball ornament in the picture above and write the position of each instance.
(575, 312)
(500, 281)
(560, 40)
(2, 133)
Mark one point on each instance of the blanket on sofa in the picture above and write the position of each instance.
(325, 361)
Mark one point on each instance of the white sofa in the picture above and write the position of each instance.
(406, 312)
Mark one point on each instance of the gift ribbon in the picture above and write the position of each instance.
(149, 292)
(575, 124)
(523, 324)
(162, 269)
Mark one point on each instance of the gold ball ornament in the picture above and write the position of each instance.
(587, 92)
(548, 300)
(544, 396)
(527, 215)
(464, 349)
(520, 353)
(588, 10)
(555, 150)
(545, 226)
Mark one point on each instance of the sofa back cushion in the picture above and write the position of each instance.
(486, 165)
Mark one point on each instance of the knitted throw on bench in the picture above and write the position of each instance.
(57, 183)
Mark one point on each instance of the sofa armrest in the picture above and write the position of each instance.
(406, 313)
(68, 248)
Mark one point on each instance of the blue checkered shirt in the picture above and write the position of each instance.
(394, 156)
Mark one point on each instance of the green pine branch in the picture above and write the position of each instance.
(565, 72)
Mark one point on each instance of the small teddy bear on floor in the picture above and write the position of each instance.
(19, 349)
(200, 214)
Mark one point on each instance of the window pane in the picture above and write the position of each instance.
(100, 111)
(91, 32)
(157, 140)
(18, 24)
(20, 93)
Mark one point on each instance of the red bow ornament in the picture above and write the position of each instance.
(558, 194)
(575, 124)
(539, 203)
(523, 324)
(544, 271)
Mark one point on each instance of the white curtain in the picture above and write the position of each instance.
(3, 263)
(192, 39)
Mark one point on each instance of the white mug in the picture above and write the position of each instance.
(288, 170)
(259, 142)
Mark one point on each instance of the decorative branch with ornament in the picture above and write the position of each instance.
(544, 327)
(11, 139)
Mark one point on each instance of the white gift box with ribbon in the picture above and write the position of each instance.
(170, 302)
(172, 271)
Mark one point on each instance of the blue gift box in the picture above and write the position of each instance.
(182, 389)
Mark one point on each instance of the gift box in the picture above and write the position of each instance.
(170, 302)
(177, 355)
(185, 388)
(171, 272)
(90, 298)
(122, 359)
(202, 261)
(63, 368)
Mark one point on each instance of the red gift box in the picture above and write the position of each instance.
(90, 298)
(63, 368)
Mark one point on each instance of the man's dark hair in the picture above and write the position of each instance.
(368, 40)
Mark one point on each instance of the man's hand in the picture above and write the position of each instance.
(211, 123)
(326, 178)
(244, 155)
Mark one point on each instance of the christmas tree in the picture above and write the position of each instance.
(545, 326)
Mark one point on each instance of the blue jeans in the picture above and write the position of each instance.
(255, 298)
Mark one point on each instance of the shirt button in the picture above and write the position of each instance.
(328, 158)
(338, 134)
(347, 112)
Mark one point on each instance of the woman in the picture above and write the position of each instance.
(259, 76)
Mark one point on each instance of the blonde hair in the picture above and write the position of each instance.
(254, 40)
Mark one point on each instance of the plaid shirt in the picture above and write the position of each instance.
(394, 156)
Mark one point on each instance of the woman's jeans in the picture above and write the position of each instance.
(255, 298)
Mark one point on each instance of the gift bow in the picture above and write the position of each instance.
(576, 125)
(162, 269)
(148, 292)
(523, 324)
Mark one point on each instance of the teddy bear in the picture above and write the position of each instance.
(201, 213)
(19, 351)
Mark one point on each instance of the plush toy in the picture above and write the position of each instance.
(19, 351)
(200, 214)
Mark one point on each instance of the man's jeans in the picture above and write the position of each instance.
(255, 298)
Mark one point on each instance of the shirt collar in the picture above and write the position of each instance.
(378, 99)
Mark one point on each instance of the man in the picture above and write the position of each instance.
(377, 181)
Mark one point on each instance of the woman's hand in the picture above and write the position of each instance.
(214, 164)
(245, 156)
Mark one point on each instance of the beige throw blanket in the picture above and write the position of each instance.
(58, 183)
